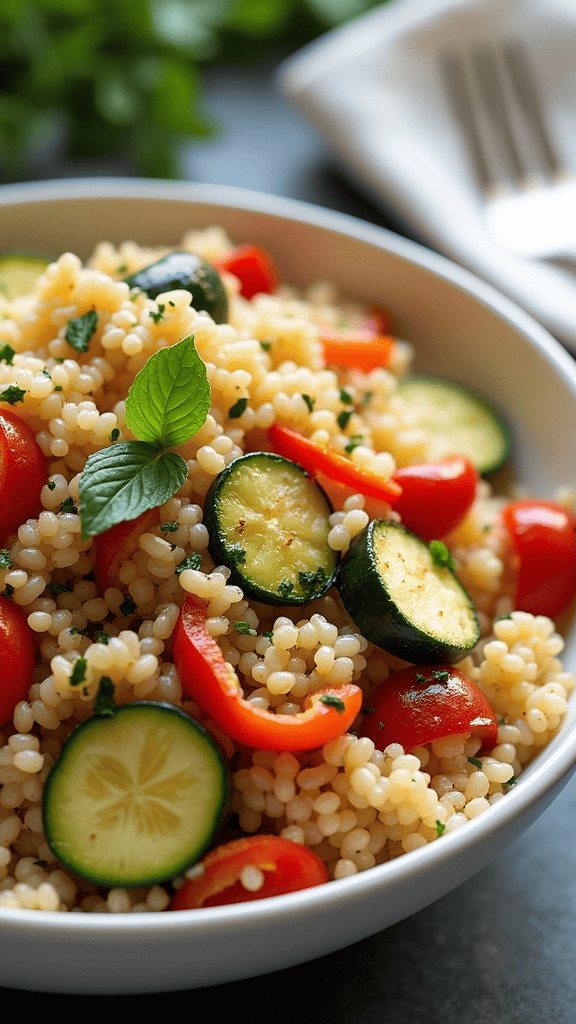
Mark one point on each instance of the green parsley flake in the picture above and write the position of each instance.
(157, 317)
(80, 330)
(237, 409)
(192, 562)
(309, 402)
(333, 702)
(78, 671)
(8, 590)
(172, 527)
(440, 828)
(12, 394)
(114, 435)
(51, 485)
(7, 354)
(243, 627)
(285, 589)
(346, 397)
(343, 418)
(100, 637)
(440, 555)
(5, 560)
(58, 588)
(476, 762)
(266, 345)
(355, 441)
(68, 505)
(128, 606)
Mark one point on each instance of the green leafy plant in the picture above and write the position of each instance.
(99, 76)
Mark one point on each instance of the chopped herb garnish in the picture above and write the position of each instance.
(441, 675)
(237, 553)
(312, 581)
(59, 588)
(104, 701)
(13, 394)
(100, 637)
(78, 632)
(285, 589)
(8, 590)
(192, 562)
(172, 527)
(511, 782)
(367, 396)
(46, 374)
(476, 762)
(68, 505)
(80, 331)
(309, 402)
(440, 555)
(115, 434)
(57, 387)
(237, 409)
(78, 671)
(346, 397)
(440, 827)
(366, 710)
(355, 441)
(7, 354)
(343, 418)
(266, 345)
(157, 317)
(41, 863)
(128, 607)
(268, 636)
(244, 628)
(122, 269)
(5, 560)
(333, 702)
(51, 485)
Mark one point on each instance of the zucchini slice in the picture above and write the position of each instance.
(402, 600)
(460, 420)
(19, 273)
(188, 271)
(268, 522)
(136, 796)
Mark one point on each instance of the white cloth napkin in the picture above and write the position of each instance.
(375, 90)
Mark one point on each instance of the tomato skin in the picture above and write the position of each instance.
(17, 655)
(412, 711)
(23, 472)
(315, 460)
(544, 537)
(253, 267)
(208, 679)
(436, 496)
(287, 867)
(117, 545)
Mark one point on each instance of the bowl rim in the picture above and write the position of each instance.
(541, 776)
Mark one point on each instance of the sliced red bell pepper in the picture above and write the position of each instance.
(210, 681)
(315, 460)
(423, 703)
(544, 536)
(253, 267)
(357, 349)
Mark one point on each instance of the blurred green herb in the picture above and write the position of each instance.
(96, 77)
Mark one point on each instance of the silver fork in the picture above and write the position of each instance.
(529, 195)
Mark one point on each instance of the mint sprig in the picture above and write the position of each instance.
(167, 403)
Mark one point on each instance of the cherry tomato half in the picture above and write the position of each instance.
(435, 496)
(544, 536)
(117, 545)
(253, 267)
(17, 656)
(287, 867)
(23, 472)
(423, 703)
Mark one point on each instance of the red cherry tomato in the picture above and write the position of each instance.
(23, 472)
(424, 703)
(435, 496)
(287, 867)
(117, 545)
(544, 536)
(253, 267)
(17, 656)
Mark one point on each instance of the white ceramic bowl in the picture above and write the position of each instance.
(459, 326)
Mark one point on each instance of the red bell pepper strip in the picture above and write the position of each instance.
(315, 460)
(357, 349)
(423, 703)
(436, 496)
(544, 537)
(286, 866)
(253, 267)
(210, 681)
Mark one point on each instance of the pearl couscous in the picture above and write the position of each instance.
(354, 805)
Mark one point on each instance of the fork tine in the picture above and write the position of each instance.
(491, 91)
(522, 79)
(459, 95)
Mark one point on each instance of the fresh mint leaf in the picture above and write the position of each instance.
(80, 330)
(124, 480)
(170, 397)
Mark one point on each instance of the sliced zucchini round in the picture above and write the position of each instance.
(188, 271)
(136, 796)
(403, 599)
(460, 421)
(268, 522)
(19, 273)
